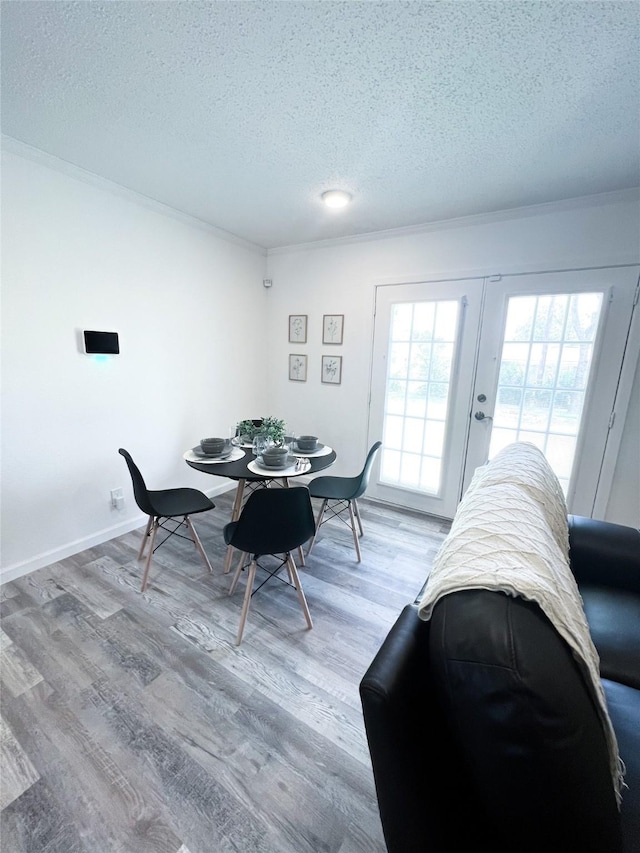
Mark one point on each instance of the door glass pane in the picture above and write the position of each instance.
(422, 346)
(544, 369)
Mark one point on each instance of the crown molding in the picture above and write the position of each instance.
(631, 194)
(37, 155)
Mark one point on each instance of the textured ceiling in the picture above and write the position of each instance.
(242, 113)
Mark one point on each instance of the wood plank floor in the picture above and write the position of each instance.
(131, 722)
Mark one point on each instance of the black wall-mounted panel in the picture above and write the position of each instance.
(101, 342)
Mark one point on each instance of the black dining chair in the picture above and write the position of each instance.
(163, 506)
(274, 522)
(339, 497)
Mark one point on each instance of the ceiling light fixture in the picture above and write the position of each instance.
(336, 198)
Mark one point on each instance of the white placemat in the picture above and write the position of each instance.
(235, 454)
(277, 473)
(325, 450)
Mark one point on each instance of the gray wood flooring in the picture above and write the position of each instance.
(132, 722)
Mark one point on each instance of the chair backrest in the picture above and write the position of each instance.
(366, 471)
(274, 521)
(140, 491)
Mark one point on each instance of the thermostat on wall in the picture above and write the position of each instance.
(101, 342)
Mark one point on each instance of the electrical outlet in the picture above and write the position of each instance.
(117, 498)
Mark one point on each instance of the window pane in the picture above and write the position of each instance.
(550, 362)
(583, 316)
(520, 318)
(423, 319)
(537, 438)
(419, 361)
(441, 360)
(416, 405)
(390, 466)
(550, 317)
(437, 403)
(401, 322)
(433, 438)
(543, 365)
(430, 475)
(567, 408)
(536, 409)
(423, 342)
(399, 361)
(396, 394)
(575, 363)
(446, 321)
(559, 453)
(508, 406)
(413, 431)
(501, 438)
(410, 470)
(393, 432)
(514, 364)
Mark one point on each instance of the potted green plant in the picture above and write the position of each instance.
(272, 428)
(245, 430)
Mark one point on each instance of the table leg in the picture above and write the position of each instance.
(235, 515)
(237, 504)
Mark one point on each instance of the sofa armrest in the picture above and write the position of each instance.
(416, 768)
(392, 694)
(604, 553)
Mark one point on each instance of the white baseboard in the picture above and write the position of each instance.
(18, 570)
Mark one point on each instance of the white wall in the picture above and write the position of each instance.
(195, 324)
(189, 308)
(340, 278)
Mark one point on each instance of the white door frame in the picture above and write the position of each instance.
(618, 285)
(469, 293)
(630, 364)
(599, 487)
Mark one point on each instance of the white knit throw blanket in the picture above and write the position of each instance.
(510, 534)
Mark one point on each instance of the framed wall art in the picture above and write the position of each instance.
(297, 328)
(297, 367)
(332, 369)
(332, 328)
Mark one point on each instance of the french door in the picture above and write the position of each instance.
(424, 357)
(463, 368)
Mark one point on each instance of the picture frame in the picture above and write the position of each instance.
(331, 369)
(332, 328)
(298, 328)
(297, 367)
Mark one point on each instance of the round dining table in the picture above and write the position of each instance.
(239, 470)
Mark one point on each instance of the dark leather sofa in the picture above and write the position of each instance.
(481, 731)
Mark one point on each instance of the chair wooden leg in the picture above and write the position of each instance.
(247, 601)
(293, 572)
(285, 485)
(354, 531)
(357, 511)
(145, 538)
(318, 523)
(197, 542)
(228, 558)
(145, 574)
(236, 574)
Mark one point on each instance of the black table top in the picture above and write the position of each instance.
(238, 470)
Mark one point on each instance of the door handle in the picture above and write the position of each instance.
(480, 416)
